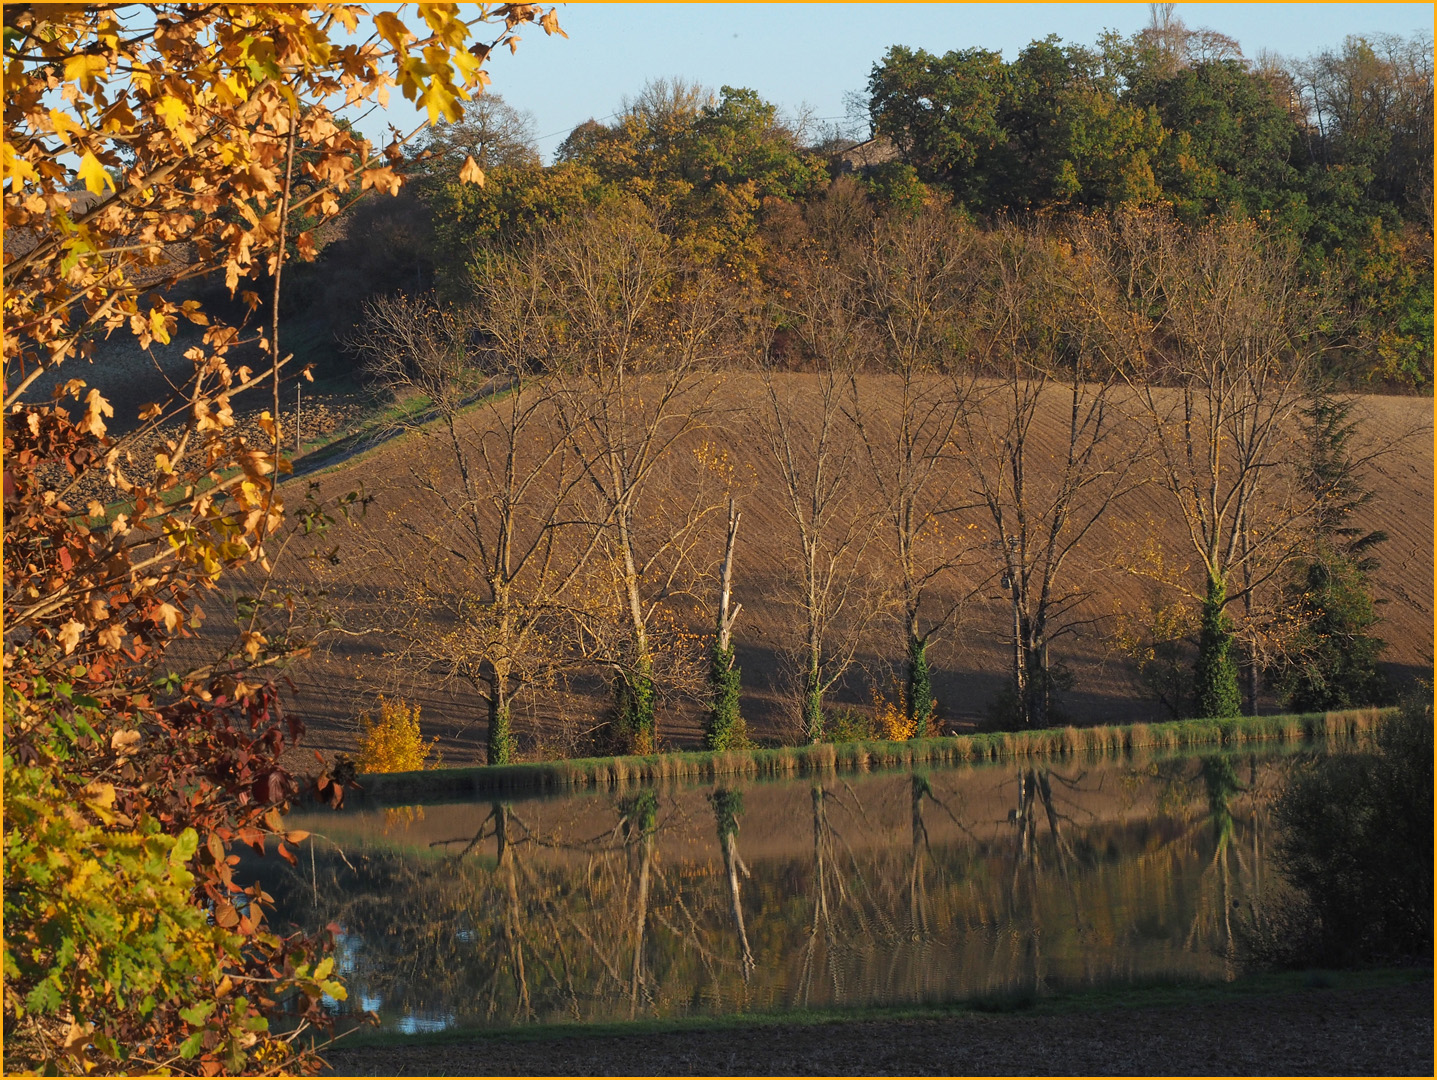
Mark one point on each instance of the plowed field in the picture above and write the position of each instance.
(350, 668)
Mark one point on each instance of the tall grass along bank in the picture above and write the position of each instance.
(784, 761)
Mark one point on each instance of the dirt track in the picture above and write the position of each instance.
(349, 670)
(1318, 1032)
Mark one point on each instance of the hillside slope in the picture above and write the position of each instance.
(350, 669)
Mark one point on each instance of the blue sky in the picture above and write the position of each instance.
(812, 54)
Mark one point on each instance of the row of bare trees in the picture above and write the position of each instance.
(589, 415)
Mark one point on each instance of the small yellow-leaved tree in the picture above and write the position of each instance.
(393, 743)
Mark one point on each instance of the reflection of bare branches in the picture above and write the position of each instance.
(820, 900)
(513, 935)
(1035, 791)
(609, 838)
(893, 904)
(472, 842)
(597, 952)
(648, 852)
(854, 805)
(313, 836)
(568, 980)
(876, 910)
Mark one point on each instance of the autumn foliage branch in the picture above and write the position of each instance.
(146, 146)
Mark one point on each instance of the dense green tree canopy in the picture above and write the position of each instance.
(1334, 152)
(943, 113)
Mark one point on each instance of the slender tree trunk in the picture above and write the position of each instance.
(636, 706)
(1216, 693)
(1020, 664)
(636, 684)
(920, 685)
(725, 727)
(1037, 688)
(500, 749)
(1250, 668)
(813, 704)
(1249, 682)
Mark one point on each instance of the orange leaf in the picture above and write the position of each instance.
(470, 173)
(96, 407)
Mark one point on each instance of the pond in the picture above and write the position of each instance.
(828, 891)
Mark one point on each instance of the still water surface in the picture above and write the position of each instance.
(872, 889)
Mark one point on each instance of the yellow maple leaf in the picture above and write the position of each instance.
(172, 111)
(64, 124)
(157, 326)
(94, 174)
(83, 68)
(391, 29)
(16, 166)
(170, 615)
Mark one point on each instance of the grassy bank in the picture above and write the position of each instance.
(785, 761)
(1059, 1001)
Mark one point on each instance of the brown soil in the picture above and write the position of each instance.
(348, 671)
(1316, 1032)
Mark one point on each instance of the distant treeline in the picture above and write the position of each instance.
(1331, 155)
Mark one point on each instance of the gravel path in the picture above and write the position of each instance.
(1315, 1032)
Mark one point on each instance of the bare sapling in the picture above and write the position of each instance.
(1043, 498)
(726, 729)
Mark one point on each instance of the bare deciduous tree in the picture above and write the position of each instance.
(1219, 336)
(635, 341)
(816, 449)
(496, 551)
(1043, 499)
(915, 275)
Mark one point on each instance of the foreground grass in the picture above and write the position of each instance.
(785, 761)
(1174, 994)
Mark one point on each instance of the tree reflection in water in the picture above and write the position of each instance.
(728, 805)
(881, 889)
